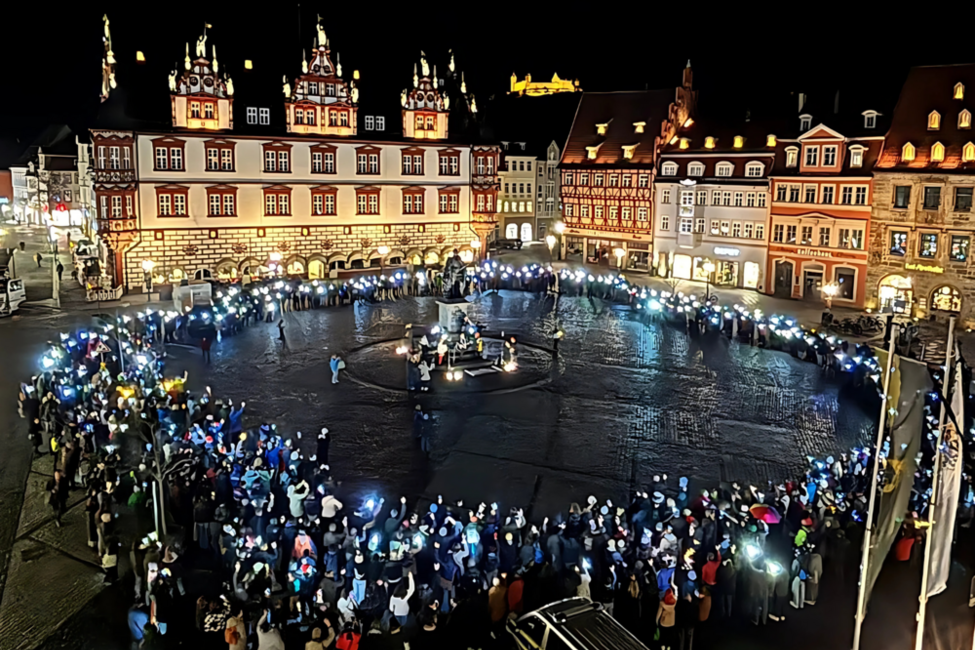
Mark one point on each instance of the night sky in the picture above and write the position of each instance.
(737, 51)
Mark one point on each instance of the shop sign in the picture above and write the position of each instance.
(923, 268)
(812, 252)
(724, 250)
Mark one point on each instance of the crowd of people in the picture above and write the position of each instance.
(240, 536)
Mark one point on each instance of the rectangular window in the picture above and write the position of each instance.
(687, 198)
(726, 198)
(614, 211)
(165, 204)
(227, 160)
(749, 230)
(283, 204)
(407, 164)
(310, 116)
(374, 163)
(370, 123)
(270, 204)
(407, 204)
(959, 248)
(270, 161)
(104, 204)
(67, 196)
(333, 118)
(597, 180)
(329, 163)
(215, 205)
(780, 192)
(686, 225)
(444, 165)
(715, 227)
(846, 196)
(750, 199)
(702, 197)
(828, 194)
(790, 234)
(251, 115)
(643, 180)
(739, 199)
(928, 245)
(641, 214)
(330, 204)
(418, 163)
(176, 159)
(810, 194)
(162, 160)
(128, 205)
(317, 204)
(932, 198)
(761, 199)
(963, 199)
(850, 238)
(116, 207)
(898, 243)
(812, 156)
(344, 118)
(902, 196)
(363, 163)
(195, 109)
(736, 229)
(179, 204)
(380, 123)
(699, 225)
(101, 158)
(228, 204)
(598, 211)
(362, 204)
(760, 231)
(113, 159)
(373, 204)
(614, 180)
(627, 179)
(316, 162)
(664, 222)
(208, 111)
(418, 203)
(806, 239)
(725, 227)
(824, 234)
(793, 194)
(584, 211)
(126, 158)
(829, 155)
(861, 196)
(665, 196)
(213, 160)
(284, 164)
(265, 116)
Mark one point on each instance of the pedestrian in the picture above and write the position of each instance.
(205, 344)
(497, 606)
(336, 364)
(281, 330)
(60, 270)
(57, 498)
(666, 619)
(38, 258)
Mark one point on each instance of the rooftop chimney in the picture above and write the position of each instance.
(836, 103)
(802, 100)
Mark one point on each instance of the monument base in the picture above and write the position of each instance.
(452, 313)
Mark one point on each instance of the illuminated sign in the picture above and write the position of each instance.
(923, 268)
(811, 252)
(724, 250)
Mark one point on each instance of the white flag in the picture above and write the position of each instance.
(949, 487)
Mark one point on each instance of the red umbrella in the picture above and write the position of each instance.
(765, 513)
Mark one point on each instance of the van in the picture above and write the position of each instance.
(571, 624)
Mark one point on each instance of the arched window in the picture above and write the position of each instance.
(296, 267)
(202, 274)
(968, 153)
(316, 269)
(965, 119)
(526, 232)
(511, 231)
(791, 156)
(668, 169)
(908, 152)
(946, 298)
(695, 169)
(934, 121)
(959, 92)
(937, 152)
(724, 169)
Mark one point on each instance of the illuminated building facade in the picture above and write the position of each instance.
(821, 192)
(608, 169)
(235, 180)
(924, 183)
(531, 88)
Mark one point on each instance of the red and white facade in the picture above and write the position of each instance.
(201, 200)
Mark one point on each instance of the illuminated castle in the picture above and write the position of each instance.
(539, 88)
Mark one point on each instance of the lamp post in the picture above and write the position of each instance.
(55, 288)
(550, 240)
(829, 291)
(708, 267)
(476, 245)
(559, 229)
(620, 254)
(383, 252)
(147, 267)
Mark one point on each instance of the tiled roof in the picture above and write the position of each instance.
(928, 89)
(619, 110)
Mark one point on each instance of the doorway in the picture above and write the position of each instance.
(812, 284)
(783, 278)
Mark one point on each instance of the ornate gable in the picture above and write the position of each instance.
(201, 99)
(425, 107)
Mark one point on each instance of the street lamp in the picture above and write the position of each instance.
(147, 267)
(559, 229)
(275, 265)
(55, 289)
(383, 252)
(476, 245)
(708, 267)
(830, 290)
(620, 254)
(550, 240)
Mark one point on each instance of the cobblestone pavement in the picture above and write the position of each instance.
(624, 402)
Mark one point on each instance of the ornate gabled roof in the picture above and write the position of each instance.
(425, 95)
(322, 72)
(199, 76)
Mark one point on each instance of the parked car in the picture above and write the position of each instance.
(573, 623)
(507, 244)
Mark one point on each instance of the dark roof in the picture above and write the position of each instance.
(536, 121)
(620, 110)
(930, 89)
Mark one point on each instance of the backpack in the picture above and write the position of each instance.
(231, 636)
(54, 445)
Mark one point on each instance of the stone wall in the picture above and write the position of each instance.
(914, 220)
(194, 249)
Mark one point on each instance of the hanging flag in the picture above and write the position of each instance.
(949, 488)
(898, 478)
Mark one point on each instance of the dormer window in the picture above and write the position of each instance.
(724, 169)
(968, 153)
(695, 169)
(959, 92)
(754, 169)
(934, 121)
(937, 152)
(591, 152)
(965, 119)
(601, 128)
(684, 143)
(739, 142)
(770, 141)
(709, 142)
(792, 156)
(870, 119)
(856, 156)
(628, 150)
(908, 152)
(638, 127)
(805, 122)
(668, 169)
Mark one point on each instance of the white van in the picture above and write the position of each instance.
(571, 624)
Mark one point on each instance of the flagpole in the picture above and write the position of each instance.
(935, 481)
(865, 562)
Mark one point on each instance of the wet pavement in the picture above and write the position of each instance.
(623, 402)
